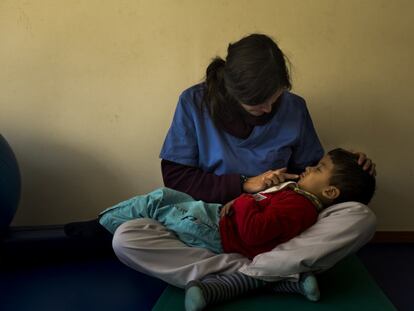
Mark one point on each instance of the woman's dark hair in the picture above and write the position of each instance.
(254, 69)
(354, 183)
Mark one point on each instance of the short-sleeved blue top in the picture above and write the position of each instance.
(287, 140)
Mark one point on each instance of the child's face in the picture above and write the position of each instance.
(315, 179)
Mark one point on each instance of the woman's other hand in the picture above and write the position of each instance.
(266, 180)
(367, 163)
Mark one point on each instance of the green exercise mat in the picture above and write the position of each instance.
(346, 287)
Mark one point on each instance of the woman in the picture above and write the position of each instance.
(239, 131)
(228, 132)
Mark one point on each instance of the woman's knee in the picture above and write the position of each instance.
(120, 237)
(125, 233)
(129, 234)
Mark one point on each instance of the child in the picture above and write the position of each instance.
(337, 178)
(250, 224)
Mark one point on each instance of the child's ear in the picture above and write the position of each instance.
(331, 192)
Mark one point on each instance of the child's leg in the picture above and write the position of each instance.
(142, 206)
(223, 287)
(195, 222)
(136, 207)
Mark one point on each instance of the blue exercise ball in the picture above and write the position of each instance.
(10, 184)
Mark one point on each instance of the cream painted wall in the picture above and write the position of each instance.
(88, 89)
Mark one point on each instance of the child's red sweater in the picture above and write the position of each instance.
(255, 227)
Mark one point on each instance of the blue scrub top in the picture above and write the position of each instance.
(287, 140)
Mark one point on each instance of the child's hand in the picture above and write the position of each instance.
(274, 178)
(266, 180)
(226, 209)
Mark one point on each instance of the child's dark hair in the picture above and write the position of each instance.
(354, 183)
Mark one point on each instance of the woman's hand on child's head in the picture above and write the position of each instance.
(367, 163)
(267, 179)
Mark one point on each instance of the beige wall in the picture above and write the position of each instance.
(88, 89)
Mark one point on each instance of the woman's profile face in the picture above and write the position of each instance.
(266, 107)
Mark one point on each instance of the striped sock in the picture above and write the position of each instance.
(216, 288)
(307, 286)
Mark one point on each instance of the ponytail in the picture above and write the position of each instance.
(216, 98)
(214, 71)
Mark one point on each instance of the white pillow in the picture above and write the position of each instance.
(341, 229)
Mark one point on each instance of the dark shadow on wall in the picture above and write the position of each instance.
(63, 183)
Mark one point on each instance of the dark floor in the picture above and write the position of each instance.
(42, 270)
(102, 284)
(55, 280)
(392, 267)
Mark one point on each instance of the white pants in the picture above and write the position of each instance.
(147, 246)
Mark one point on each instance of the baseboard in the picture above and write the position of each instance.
(393, 237)
(51, 231)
